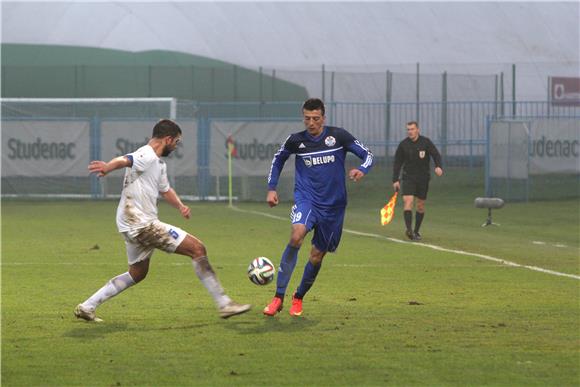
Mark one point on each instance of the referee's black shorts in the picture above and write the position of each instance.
(416, 186)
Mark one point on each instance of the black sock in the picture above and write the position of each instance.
(418, 219)
(408, 219)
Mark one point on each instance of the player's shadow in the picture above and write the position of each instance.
(271, 324)
(92, 330)
(193, 327)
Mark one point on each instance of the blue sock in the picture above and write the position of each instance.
(287, 265)
(308, 278)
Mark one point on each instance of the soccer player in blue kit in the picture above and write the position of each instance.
(319, 196)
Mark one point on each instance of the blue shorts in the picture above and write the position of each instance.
(326, 222)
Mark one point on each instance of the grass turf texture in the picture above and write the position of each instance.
(380, 312)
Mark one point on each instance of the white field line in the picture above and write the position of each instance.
(160, 262)
(433, 247)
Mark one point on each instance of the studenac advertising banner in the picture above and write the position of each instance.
(253, 146)
(45, 148)
(555, 146)
(119, 138)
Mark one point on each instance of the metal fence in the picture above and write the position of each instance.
(457, 128)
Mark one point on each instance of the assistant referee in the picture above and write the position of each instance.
(413, 156)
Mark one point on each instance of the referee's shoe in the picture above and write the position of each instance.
(410, 235)
(417, 236)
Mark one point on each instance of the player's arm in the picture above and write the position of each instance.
(173, 199)
(102, 168)
(363, 153)
(275, 170)
(432, 149)
(272, 198)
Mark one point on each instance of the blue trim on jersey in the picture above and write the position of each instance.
(130, 158)
(315, 153)
(320, 175)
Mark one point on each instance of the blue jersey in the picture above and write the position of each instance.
(320, 175)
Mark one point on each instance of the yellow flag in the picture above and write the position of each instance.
(388, 210)
(231, 146)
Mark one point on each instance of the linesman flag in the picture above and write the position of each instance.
(231, 146)
(388, 210)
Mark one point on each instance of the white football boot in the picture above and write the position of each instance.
(233, 309)
(86, 314)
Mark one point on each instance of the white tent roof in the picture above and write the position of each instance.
(358, 36)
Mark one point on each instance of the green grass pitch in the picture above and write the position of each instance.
(380, 313)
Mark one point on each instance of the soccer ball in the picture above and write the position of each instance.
(261, 271)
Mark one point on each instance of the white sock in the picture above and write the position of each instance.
(111, 289)
(208, 278)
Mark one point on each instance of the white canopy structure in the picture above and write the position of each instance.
(541, 38)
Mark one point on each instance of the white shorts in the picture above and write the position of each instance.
(141, 243)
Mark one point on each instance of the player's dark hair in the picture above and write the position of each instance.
(412, 123)
(166, 128)
(313, 104)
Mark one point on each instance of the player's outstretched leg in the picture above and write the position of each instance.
(287, 265)
(227, 307)
(195, 249)
(86, 310)
(310, 272)
(308, 277)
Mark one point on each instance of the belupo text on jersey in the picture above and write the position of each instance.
(320, 175)
(309, 161)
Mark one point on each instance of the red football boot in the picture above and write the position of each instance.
(296, 308)
(274, 307)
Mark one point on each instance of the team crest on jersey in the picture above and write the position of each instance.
(330, 141)
(421, 154)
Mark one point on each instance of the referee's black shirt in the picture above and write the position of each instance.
(414, 157)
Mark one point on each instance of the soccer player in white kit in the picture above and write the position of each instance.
(146, 178)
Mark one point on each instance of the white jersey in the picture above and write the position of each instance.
(141, 186)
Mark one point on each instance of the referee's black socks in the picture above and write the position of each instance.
(408, 219)
(418, 219)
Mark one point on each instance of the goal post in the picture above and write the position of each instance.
(96, 102)
(47, 143)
